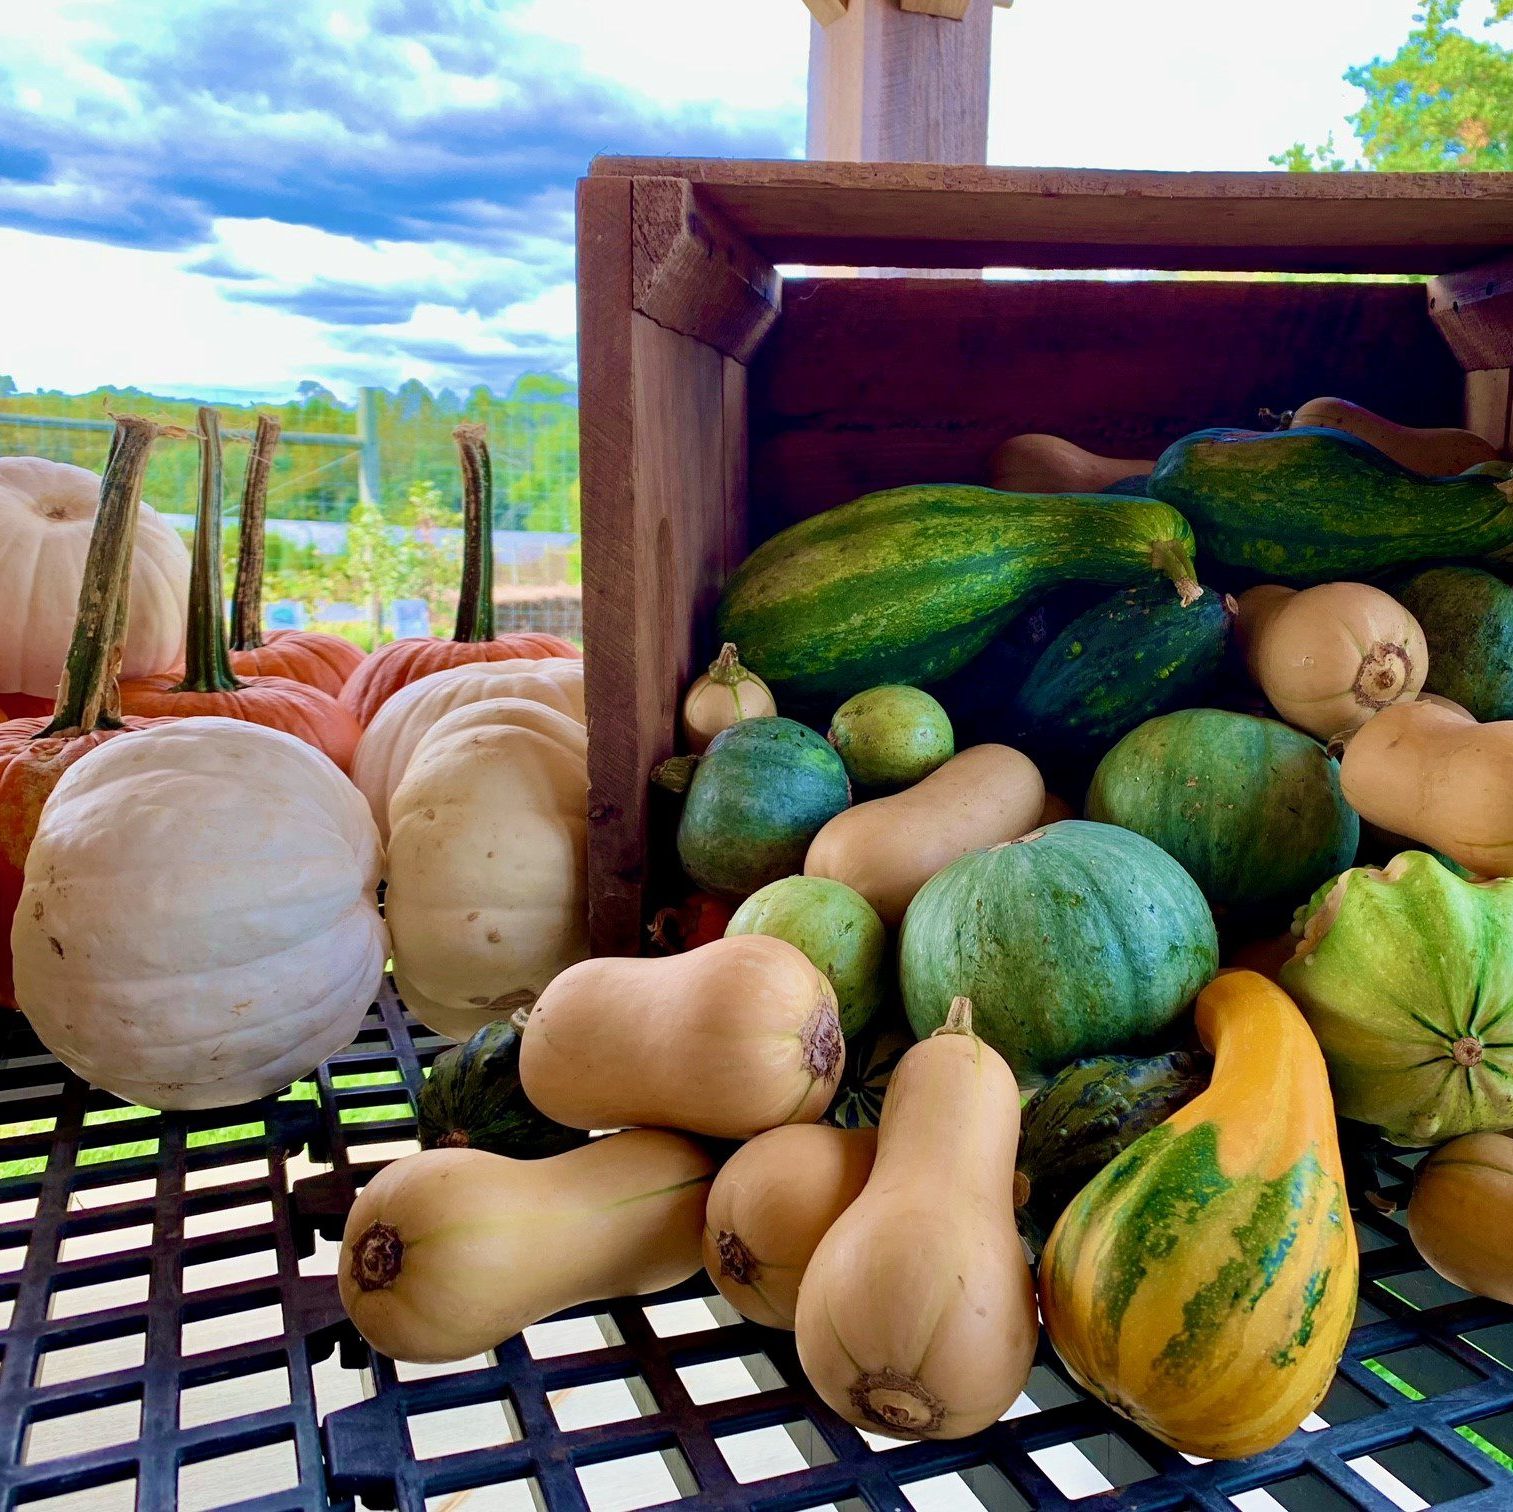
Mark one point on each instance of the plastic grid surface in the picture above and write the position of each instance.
(172, 1337)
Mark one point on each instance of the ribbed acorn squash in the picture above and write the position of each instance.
(1405, 974)
(1204, 1283)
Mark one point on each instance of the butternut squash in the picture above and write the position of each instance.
(733, 1038)
(1432, 773)
(1041, 464)
(1329, 657)
(449, 1252)
(888, 848)
(1461, 1213)
(916, 1315)
(1204, 1282)
(1435, 450)
(771, 1204)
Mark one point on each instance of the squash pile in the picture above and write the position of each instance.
(1061, 865)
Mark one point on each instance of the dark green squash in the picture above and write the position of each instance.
(1076, 939)
(908, 585)
(1466, 615)
(759, 795)
(1136, 653)
(1251, 807)
(473, 1099)
(1083, 1117)
(1314, 505)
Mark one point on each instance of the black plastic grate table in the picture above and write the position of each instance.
(172, 1337)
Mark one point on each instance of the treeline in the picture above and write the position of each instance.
(533, 436)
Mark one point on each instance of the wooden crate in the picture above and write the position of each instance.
(721, 402)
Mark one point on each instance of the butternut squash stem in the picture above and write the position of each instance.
(958, 1018)
(475, 602)
(207, 664)
(247, 594)
(88, 698)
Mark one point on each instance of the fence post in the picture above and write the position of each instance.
(369, 469)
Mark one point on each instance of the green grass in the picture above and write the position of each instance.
(199, 1139)
(1471, 1436)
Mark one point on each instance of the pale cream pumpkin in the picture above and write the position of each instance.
(47, 511)
(390, 740)
(199, 923)
(488, 862)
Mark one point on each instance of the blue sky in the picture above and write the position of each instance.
(213, 196)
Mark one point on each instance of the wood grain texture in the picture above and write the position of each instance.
(947, 10)
(868, 384)
(693, 274)
(961, 215)
(1489, 406)
(663, 525)
(1474, 310)
(889, 84)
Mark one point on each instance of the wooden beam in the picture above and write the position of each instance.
(964, 216)
(892, 84)
(693, 274)
(826, 11)
(947, 10)
(1474, 310)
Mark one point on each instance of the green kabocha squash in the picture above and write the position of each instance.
(891, 737)
(1083, 1117)
(472, 1100)
(838, 930)
(1204, 1283)
(1312, 505)
(1251, 807)
(1467, 618)
(1405, 974)
(1134, 654)
(908, 585)
(1077, 939)
(759, 795)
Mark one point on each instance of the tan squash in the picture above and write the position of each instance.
(722, 696)
(1435, 450)
(888, 848)
(916, 1315)
(1049, 464)
(1329, 657)
(1461, 1213)
(449, 1252)
(733, 1038)
(1437, 777)
(771, 1204)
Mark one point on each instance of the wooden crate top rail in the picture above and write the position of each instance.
(938, 215)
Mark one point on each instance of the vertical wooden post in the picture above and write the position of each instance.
(889, 85)
(369, 474)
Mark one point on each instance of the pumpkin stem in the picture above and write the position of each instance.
(247, 595)
(88, 698)
(1175, 560)
(207, 664)
(475, 603)
(675, 774)
(958, 1018)
(726, 668)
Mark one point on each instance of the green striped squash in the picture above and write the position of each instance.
(908, 585)
(1204, 1283)
(1314, 505)
(1466, 615)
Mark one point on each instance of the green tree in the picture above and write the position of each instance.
(1443, 101)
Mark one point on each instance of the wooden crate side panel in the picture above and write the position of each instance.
(868, 384)
(1489, 406)
(962, 215)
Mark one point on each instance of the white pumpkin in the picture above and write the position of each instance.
(488, 862)
(390, 740)
(47, 510)
(199, 923)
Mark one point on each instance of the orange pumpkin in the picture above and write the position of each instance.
(35, 752)
(208, 685)
(308, 656)
(392, 667)
(26, 706)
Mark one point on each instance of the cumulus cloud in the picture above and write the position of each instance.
(357, 164)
